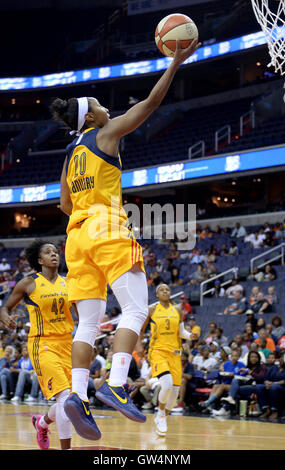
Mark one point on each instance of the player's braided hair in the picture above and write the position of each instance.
(66, 111)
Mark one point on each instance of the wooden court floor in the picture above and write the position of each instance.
(184, 432)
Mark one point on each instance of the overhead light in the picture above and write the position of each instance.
(13, 101)
(258, 64)
(225, 199)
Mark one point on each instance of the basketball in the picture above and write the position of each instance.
(172, 28)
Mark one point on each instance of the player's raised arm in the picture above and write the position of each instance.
(134, 117)
(65, 200)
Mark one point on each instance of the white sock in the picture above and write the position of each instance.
(43, 423)
(161, 412)
(80, 382)
(119, 369)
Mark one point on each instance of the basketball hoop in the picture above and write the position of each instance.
(270, 14)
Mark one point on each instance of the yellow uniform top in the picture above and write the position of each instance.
(49, 308)
(164, 325)
(93, 178)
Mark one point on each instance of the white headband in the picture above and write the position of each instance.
(82, 110)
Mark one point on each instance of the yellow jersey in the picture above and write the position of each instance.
(164, 325)
(49, 308)
(94, 180)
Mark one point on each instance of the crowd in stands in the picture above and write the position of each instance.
(219, 367)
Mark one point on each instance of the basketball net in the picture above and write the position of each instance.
(273, 25)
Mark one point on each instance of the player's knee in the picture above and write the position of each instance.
(91, 312)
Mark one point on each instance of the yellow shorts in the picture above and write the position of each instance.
(51, 359)
(162, 361)
(93, 262)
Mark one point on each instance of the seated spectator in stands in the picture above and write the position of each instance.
(211, 270)
(247, 339)
(270, 360)
(248, 327)
(154, 279)
(262, 234)
(262, 334)
(281, 343)
(218, 290)
(254, 347)
(269, 329)
(278, 231)
(256, 241)
(269, 273)
(262, 305)
(238, 306)
(253, 295)
(185, 307)
(225, 355)
(206, 234)
(176, 278)
(214, 350)
(278, 328)
(228, 370)
(199, 276)
(197, 257)
(234, 287)
(5, 374)
(262, 347)
(220, 338)
(224, 250)
(271, 394)
(271, 295)
(4, 265)
(255, 373)
(188, 383)
(214, 250)
(238, 339)
(26, 376)
(239, 231)
(173, 253)
(203, 361)
(268, 241)
(150, 391)
(209, 257)
(257, 274)
(211, 333)
(151, 259)
(194, 328)
(233, 251)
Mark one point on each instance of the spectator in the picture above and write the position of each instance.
(256, 241)
(150, 391)
(262, 347)
(238, 306)
(233, 251)
(185, 307)
(261, 305)
(239, 231)
(257, 274)
(224, 250)
(269, 341)
(248, 327)
(281, 343)
(256, 372)
(234, 287)
(254, 347)
(210, 335)
(260, 324)
(271, 295)
(218, 290)
(220, 338)
(269, 328)
(204, 362)
(271, 394)
(228, 370)
(27, 376)
(198, 257)
(4, 265)
(269, 273)
(188, 383)
(214, 351)
(196, 329)
(240, 342)
(5, 374)
(278, 328)
(199, 275)
(253, 295)
(268, 241)
(176, 278)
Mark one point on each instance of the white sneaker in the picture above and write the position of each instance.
(222, 412)
(30, 399)
(161, 425)
(147, 406)
(15, 399)
(229, 399)
(2, 397)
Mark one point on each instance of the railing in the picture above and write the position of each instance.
(274, 258)
(115, 321)
(199, 152)
(222, 134)
(233, 270)
(245, 120)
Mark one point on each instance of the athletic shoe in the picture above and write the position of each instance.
(80, 415)
(146, 406)
(119, 399)
(161, 424)
(15, 399)
(3, 397)
(42, 433)
(222, 412)
(229, 400)
(30, 400)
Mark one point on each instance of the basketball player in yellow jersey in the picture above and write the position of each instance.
(164, 352)
(50, 336)
(100, 249)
